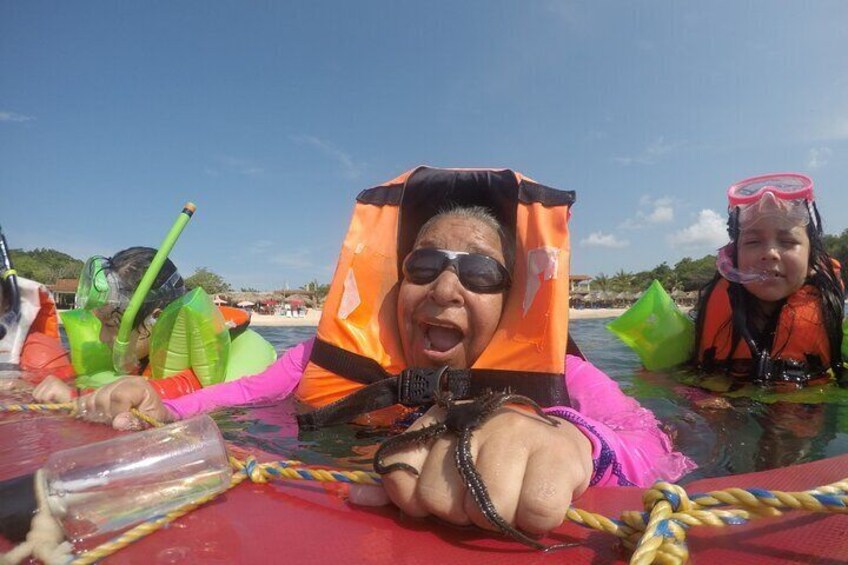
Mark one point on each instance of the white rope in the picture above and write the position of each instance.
(45, 540)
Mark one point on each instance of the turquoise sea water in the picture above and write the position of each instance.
(723, 434)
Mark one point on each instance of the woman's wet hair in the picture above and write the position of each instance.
(482, 215)
(823, 276)
(130, 265)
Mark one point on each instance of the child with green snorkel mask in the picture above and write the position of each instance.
(103, 294)
(107, 284)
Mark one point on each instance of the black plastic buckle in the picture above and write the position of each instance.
(420, 385)
(765, 367)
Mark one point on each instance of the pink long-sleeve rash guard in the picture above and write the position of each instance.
(628, 446)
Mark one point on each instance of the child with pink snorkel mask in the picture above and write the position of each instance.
(773, 313)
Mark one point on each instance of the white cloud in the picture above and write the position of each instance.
(708, 232)
(234, 166)
(661, 215)
(242, 166)
(830, 127)
(259, 246)
(818, 157)
(601, 239)
(350, 168)
(298, 259)
(6, 116)
(652, 153)
(652, 211)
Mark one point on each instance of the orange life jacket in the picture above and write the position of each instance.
(41, 352)
(47, 320)
(801, 344)
(236, 318)
(357, 342)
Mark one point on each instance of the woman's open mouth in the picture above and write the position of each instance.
(440, 340)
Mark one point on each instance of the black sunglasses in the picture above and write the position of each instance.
(477, 272)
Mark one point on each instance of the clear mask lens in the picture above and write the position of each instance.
(170, 290)
(99, 285)
(785, 213)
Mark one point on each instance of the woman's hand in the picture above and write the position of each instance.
(112, 403)
(53, 389)
(531, 469)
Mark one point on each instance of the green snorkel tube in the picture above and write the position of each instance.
(124, 358)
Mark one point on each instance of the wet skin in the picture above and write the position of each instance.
(529, 469)
(461, 419)
(779, 250)
(444, 323)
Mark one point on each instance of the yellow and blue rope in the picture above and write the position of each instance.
(656, 535)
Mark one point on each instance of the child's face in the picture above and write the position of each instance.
(110, 319)
(778, 249)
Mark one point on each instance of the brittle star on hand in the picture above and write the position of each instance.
(462, 419)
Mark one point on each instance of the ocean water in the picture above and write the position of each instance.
(745, 431)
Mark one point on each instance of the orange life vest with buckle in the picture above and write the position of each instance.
(40, 352)
(357, 344)
(800, 337)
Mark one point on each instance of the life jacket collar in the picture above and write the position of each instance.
(357, 350)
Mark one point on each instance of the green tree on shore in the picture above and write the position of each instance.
(209, 281)
(693, 274)
(45, 265)
(687, 275)
(837, 245)
(320, 290)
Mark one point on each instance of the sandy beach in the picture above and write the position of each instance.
(312, 317)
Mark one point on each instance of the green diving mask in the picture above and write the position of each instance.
(100, 285)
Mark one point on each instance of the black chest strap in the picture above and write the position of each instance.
(417, 386)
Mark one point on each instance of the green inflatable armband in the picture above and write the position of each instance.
(96, 380)
(655, 328)
(190, 333)
(250, 354)
(91, 358)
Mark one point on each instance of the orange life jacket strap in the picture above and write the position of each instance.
(418, 386)
(573, 349)
(236, 318)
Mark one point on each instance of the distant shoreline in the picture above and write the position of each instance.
(313, 316)
(272, 320)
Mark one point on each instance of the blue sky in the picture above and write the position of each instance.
(272, 117)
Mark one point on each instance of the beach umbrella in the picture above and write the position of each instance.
(244, 304)
(218, 300)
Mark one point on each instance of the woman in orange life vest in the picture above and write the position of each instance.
(773, 313)
(451, 306)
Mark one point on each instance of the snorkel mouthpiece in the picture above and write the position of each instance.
(124, 357)
(724, 265)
